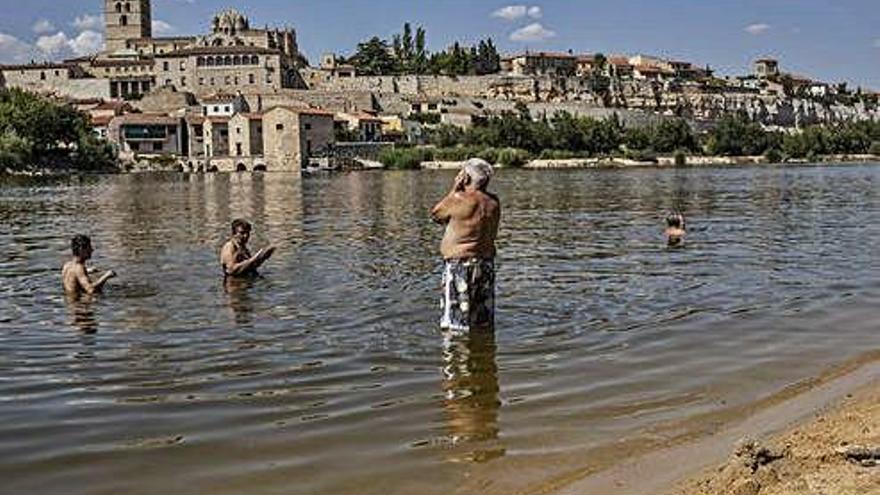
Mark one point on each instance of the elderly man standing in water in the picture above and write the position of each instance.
(236, 259)
(471, 215)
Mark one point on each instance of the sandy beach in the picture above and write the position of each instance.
(835, 452)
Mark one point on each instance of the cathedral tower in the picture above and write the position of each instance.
(126, 20)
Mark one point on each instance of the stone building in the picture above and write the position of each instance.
(148, 134)
(291, 135)
(134, 63)
(126, 20)
(766, 67)
(540, 64)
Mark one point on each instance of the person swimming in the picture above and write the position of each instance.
(235, 258)
(75, 274)
(675, 229)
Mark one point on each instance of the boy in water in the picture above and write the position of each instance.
(675, 229)
(75, 273)
(235, 258)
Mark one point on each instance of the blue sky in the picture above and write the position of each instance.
(833, 40)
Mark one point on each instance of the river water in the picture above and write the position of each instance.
(329, 375)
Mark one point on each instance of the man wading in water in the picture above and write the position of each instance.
(75, 274)
(235, 258)
(471, 215)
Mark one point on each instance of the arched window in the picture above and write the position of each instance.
(200, 61)
(123, 20)
(118, 8)
(210, 61)
(127, 7)
(236, 60)
(227, 60)
(255, 60)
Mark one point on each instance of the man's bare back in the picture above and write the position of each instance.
(471, 217)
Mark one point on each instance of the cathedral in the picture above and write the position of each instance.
(233, 56)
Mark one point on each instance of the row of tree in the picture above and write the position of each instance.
(407, 53)
(37, 134)
(733, 135)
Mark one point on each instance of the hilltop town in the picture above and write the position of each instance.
(243, 98)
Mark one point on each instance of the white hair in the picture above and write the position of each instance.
(479, 171)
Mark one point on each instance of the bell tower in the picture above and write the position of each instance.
(126, 20)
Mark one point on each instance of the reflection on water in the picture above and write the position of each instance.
(329, 375)
(471, 394)
(82, 314)
(240, 301)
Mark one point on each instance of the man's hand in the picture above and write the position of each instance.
(460, 181)
(110, 274)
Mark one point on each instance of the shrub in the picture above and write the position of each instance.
(875, 148)
(773, 155)
(680, 158)
(405, 158)
(513, 157)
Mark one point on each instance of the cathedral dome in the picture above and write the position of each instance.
(230, 22)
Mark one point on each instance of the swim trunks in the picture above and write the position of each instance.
(468, 294)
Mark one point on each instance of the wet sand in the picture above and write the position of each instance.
(819, 437)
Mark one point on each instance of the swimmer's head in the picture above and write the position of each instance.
(81, 246)
(479, 172)
(675, 220)
(241, 230)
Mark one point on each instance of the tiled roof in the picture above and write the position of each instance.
(146, 118)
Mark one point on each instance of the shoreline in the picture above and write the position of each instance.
(538, 164)
(664, 162)
(810, 433)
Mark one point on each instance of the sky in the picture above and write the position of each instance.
(830, 40)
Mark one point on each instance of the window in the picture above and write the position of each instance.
(201, 81)
(57, 74)
(42, 76)
(165, 66)
(183, 65)
(250, 79)
(212, 81)
(216, 109)
(238, 130)
(227, 108)
(134, 146)
(123, 20)
(308, 127)
(167, 82)
(183, 81)
(118, 7)
(226, 80)
(279, 127)
(157, 146)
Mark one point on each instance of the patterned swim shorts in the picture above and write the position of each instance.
(468, 294)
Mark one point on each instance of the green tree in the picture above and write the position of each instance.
(373, 58)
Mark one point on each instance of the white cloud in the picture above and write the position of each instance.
(43, 26)
(514, 12)
(54, 45)
(60, 45)
(87, 22)
(756, 29)
(162, 27)
(13, 50)
(511, 12)
(87, 43)
(532, 32)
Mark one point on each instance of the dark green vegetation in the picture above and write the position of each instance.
(406, 53)
(38, 134)
(513, 138)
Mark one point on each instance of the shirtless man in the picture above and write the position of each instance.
(471, 215)
(235, 258)
(675, 229)
(75, 273)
